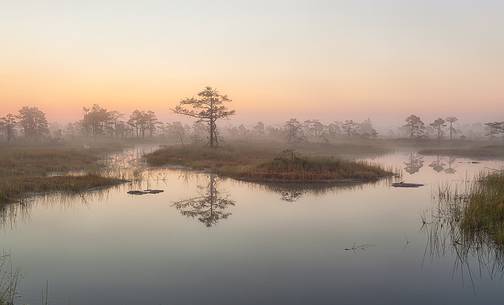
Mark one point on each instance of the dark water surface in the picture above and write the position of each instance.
(207, 240)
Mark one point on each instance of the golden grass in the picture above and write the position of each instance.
(484, 212)
(27, 169)
(266, 165)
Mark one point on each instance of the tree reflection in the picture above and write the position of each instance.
(450, 169)
(210, 207)
(437, 164)
(414, 163)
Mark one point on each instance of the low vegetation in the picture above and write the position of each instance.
(266, 165)
(484, 212)
(39, 169)
(476, 215)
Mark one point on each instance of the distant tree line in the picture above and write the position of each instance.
(207, 109)
(441, 128)
(31, 122)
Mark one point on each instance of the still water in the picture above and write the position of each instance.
(207, 240)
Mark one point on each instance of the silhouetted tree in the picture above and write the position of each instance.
(451, 120)
(350, 128)
(208, 107)
(177, 130)
(415, 126)
(209, 207)
(33, 122)
(259, 129)
(367, 130)
(313, 128)
(438, 126)
(294, 131)
(8, 126)
(95, 120)
(138, 122)
(240, 131)
(199, 132)
(152, 122)
(495, 128)
(113, 125)
(334, 129)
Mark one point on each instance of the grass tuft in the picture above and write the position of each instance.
(484, 213)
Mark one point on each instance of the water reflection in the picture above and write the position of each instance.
(438, 164)
(473, 254)
(11, 214)
(414, 163)
(292, 192)
(450, 170)
(210, 207)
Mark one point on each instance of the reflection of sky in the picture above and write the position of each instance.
(122, 249)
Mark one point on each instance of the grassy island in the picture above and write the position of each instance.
(262, 165)
(26, 170)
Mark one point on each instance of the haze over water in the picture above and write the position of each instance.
(251, 152)
(345, 245)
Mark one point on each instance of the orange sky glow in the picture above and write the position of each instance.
(331, 60)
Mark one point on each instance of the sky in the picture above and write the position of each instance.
(332, 60)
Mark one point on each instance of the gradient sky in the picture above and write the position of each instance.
(276, 59)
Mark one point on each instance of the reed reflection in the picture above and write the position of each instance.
(12, 213)
(475, 254)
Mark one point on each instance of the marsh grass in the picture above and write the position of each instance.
(469, 220)
(267, 165)
(478, 208)
(17, 187)
(484, 212)
(26, 170)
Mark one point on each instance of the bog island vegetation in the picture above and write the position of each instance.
(36, 154)
(39, 157)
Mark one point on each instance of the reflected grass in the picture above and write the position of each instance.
(26, 170)
(469, 221)
(8, 281)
